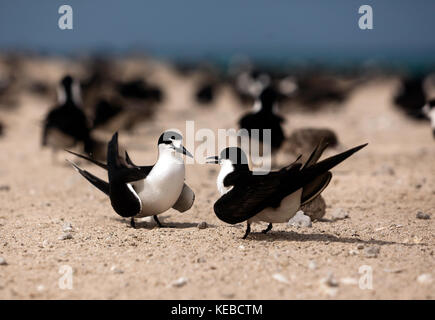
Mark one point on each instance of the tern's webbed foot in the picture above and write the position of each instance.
(269, 227)
(132, 223)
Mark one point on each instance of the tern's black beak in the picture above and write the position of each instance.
(183, 150)
(213, 159)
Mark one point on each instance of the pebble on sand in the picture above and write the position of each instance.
(339, 214)
(202, 225)
(353, 252)
(179, 282)
(40, 288)
(280, 278)
(330, 280)
(3, 261)
(300, 220)
(425, 278)
(115, 269)
(312, 265)
(65, 236)
(372, 252)
(67, 227)
(423, 215)
(329, 285)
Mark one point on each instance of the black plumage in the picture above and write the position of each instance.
(139, 89)
(265, 118)
(205, 93)
(120, 172)
(252, 193)
(104, 112)
(411, 96)
(69, 119)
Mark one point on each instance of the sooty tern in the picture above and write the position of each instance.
(141, 191)
(274, 197)
(66, 124)
(264, 116)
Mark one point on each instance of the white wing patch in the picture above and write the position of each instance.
(135, 194)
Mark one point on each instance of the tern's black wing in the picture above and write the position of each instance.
(315, 187)
(253, 193)
(98, 163)
(317, 153)
(318, 184)
(250, 195)
(124, 168)
(97, 182)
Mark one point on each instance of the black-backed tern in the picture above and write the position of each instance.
(274, 197)
(264, 116)
(66, 124)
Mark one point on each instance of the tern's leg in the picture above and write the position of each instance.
(132, 223)
(157, 221)
(248, 230)
(269, 227)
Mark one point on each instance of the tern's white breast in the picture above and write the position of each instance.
(432, 117)
(288, 208)
(162, 187)
(429, 113)
(226, 168)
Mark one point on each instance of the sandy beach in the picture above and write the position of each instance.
(382, 188)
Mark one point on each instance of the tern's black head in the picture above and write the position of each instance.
(268, 98)
(169, 137)
(236, 155)
(67, 81)
(173, 140)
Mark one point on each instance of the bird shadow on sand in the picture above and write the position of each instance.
(316, 237)
(166, 225)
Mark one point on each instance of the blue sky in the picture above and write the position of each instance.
(195, 28)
